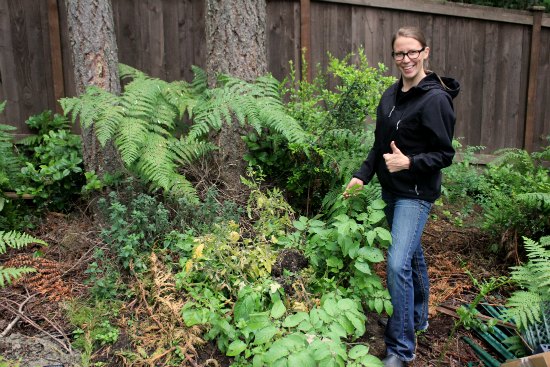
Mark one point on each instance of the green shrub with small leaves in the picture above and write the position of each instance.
(337, 120)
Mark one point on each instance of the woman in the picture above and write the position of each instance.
(413, 142)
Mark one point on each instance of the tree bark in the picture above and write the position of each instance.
(95, 60)
(236, 45)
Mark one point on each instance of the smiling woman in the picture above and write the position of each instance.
(413, 142)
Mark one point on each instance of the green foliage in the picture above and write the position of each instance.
(92, 327)
(336, 121)
(134, 229)
(533, 279)
(144, 121)
(15, 240)
(52, 168)
(513, 192)
(515, 195)
(344, 248)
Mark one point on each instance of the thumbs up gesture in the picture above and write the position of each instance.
(396, 161)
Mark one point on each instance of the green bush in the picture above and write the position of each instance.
(337, 121)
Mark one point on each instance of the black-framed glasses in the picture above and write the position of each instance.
(412, 54)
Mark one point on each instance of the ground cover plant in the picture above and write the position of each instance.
(176, 274)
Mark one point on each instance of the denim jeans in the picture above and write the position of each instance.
(407, 274)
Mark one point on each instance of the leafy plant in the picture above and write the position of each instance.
(133, 229)
(533, 280)
(344, 248)
(143, 122)
(93, 328)
(335, 119)
(52, 172)
(15, 240)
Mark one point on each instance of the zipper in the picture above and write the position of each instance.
(397, 126)
(416, 190)
(393, 108)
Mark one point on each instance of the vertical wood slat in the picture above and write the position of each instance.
(533, 76)
(55, 53)
(305, 34)
(8, 81)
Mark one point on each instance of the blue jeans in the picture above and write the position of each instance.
(407, 274)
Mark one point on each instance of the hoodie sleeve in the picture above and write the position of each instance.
(368, 168)
(439, 118)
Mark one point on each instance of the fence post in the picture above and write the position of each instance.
(305, 35)
(532, 82)
(55, 53)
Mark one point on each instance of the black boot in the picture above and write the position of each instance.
(393, 361)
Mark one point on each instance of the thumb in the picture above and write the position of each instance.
(394, 148)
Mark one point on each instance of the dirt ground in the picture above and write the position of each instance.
(32, 317)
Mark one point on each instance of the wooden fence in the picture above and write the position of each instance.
(501, 57)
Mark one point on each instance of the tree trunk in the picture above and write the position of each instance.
(95, 59)
(236, 45)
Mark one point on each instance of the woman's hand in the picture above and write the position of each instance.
(354, 182)
(396, 161)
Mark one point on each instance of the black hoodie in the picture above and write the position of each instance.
(421, 122)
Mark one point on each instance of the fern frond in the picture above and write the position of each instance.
(524, 308)
(126, 71)
(187, 151)
(200, 80)
(131, 133)
(17, 240)
(536, 200)
(8, 275)
(2, 106)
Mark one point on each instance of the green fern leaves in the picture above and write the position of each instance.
(15, 240)
(145, 120)
(534, 279)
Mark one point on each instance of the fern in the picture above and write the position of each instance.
(10, 162)
(143, 121)
(534, 280)
(15, 240)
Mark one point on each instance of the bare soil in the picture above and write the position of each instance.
(39, 312)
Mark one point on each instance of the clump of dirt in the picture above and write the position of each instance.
(36, 351)
(288, 264)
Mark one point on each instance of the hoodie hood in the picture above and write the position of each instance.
(433, 81)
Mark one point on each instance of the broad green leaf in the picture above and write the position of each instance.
(371, 235)
(358, 323)
(379, 305)
(294, 320)
(335, 262)
(378, 204)
(300, 224)
(275, 352)
(338, 329)
(347, 304)
(371, 254)
(258, 321)
(376, 216)
(301, 359)
(331, 307)
(346, 324)
(389, 307)
(321, 352)
(244, 307)
(305, 326)
(371, 361)
(358, 351)
(362, 267)
(383, 235)
(235, 348)
(265, 335)
(278, 309)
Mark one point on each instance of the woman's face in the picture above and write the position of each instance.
(412, 69)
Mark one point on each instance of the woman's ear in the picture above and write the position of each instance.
(427, 51)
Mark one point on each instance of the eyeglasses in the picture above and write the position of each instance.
(412, 54)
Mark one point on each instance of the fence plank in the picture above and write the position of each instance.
(283, 38)
(451, 9)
